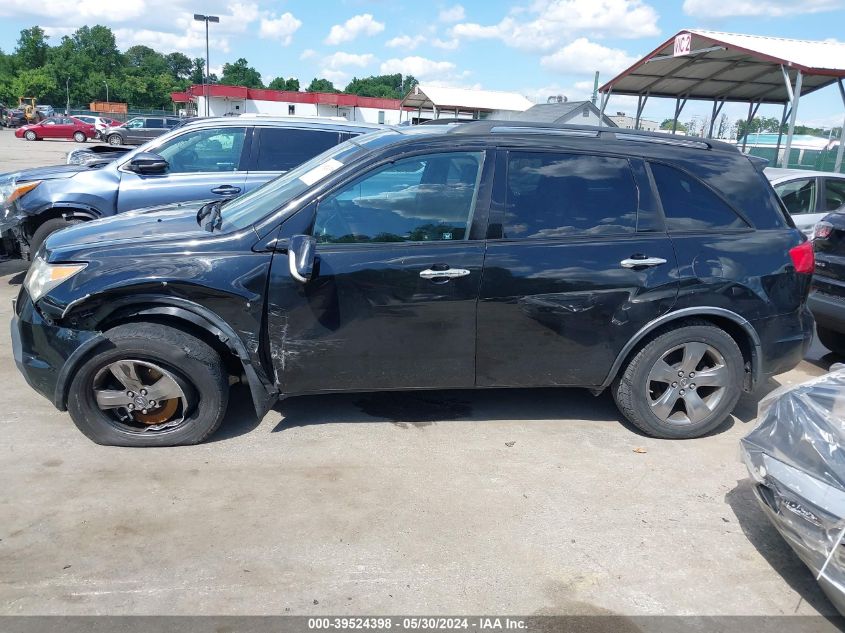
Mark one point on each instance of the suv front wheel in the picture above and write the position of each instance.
(683, 383)
(149, 385)
(115, 139)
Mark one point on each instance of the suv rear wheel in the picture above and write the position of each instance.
(149, 385)
(683, 383)
(114, 139)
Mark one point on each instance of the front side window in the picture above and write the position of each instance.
(206, 150)
(281, 149)
(419, 199)
(689, 205)
(834, 194)
(134, 124)
(552, 195)
(799, 196)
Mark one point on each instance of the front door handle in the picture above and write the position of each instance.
(449, 273)
(226, 190)
(632, 262)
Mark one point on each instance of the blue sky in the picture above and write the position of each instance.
(536, 47)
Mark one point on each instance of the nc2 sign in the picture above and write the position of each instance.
(682, 44)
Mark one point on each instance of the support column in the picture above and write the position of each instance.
(679, 107)
(780, 131)
(752, 112)
(604, 99)
(717, 109)
(838, 166)
(641, 101)
(796, 97)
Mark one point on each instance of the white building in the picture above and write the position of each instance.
(629, 123)
(425, 103)
(236, 100)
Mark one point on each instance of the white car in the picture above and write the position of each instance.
(808, 195)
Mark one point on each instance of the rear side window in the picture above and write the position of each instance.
(799, 196)
(557, 195)
(281, 149)
(154, 124)
(834, 194)
(689, 205)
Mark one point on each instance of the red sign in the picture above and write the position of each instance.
(683, 43)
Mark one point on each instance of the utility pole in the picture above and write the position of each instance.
(207, 79)
(67, 91)
(107, 92)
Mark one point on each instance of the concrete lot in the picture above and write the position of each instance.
(522, 501)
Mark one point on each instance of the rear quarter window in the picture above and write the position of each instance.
(689, 205)
(281, 149)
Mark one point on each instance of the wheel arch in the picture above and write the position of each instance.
(740, 329)
(192, 319)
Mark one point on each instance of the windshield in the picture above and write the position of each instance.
(259, 203)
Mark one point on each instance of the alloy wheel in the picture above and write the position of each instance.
(687, 383)
(139, 396)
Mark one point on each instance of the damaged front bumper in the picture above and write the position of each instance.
(46, 354)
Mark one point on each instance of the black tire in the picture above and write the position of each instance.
(79, 137)
(187, 358)
(29, 135)
(832, 340)
(46, 229)
(632, 387)
(115, 139)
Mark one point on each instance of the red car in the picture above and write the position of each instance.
(57, 127)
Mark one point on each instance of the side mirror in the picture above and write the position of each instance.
(301, 253)
(147, 163)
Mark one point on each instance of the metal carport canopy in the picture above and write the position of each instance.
(722, 67)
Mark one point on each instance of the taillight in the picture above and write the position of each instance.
(803, 258)
(822, 230)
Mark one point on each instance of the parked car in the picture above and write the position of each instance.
(15, 117)
(795, 459)
(827, 298)
(60, 127)
(100, 154)
(808, 195)
(45, 111)
(476, 255)
(139, 130)
(211, 158)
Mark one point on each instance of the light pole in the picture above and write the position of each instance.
(107, 91)
(206, 18)
(67, 91)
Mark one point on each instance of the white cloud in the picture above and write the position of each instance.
(280, 29)
(452, 14)
(163, 41)
(583, 56)
(342, 60)
(419, 67)
(448, 45)
(405, 41)
(551, 23)
(363, 24)
(766, 8)
(308, 53)
(337, 77)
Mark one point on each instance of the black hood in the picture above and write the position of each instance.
(167, 223)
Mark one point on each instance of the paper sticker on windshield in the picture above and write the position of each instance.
(320, 171)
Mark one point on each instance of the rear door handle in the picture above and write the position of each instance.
(224, 190)
(644, 262)
(449, 273)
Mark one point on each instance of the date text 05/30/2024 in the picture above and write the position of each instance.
(417, 623)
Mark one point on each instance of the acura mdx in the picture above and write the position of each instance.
(485, 254)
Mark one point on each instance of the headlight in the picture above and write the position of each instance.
(43, 277)
(11, 191)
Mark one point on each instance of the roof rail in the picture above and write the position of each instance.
(668, 140)
(519, 129)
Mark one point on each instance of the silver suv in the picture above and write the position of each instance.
(139, 130)
(208, 159)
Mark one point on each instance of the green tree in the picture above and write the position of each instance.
(179, 65)
(321, 85)
(667, 125)
(388, 86)
(33, 82)
(241, 73)
(280, 83)
(32, 48)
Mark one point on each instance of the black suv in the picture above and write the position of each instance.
(475, 255)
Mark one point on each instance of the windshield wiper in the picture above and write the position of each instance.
(211, 211)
